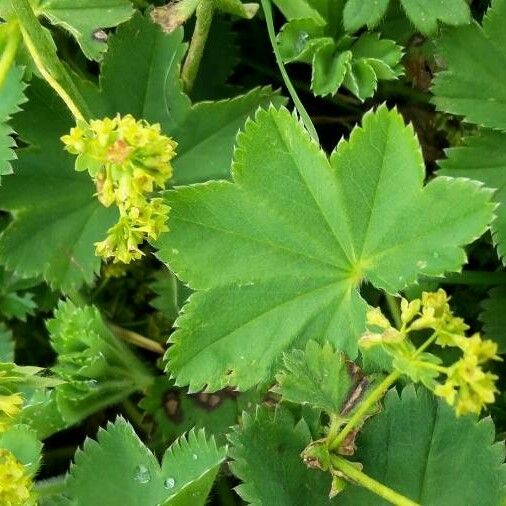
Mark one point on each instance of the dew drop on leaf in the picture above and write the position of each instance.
(194, 456)
(142, 474)
(301, 41)
(169, 483)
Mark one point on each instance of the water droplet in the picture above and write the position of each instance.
(142, 474)
(421, 264)
(195, 456)
(435, 254)
(169, 483)
(301, 41)
(175, 251)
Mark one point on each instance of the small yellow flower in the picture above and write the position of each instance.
(447, 390)
(15, 483)
(409, 310)
(10, 405)
(375, 317)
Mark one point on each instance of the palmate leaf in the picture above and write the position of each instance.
(424, 14)
(11, 97)
(475, 55)
(421, 449)
(293, 237)
(266, 458)
(189, 466)
(56, 217)
(23, 443)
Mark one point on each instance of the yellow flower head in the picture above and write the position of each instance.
(15, 483)
(128, 160)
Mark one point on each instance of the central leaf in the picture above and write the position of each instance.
(277, 256)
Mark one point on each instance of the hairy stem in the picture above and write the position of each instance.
(42, 50)
(364, 408)
(139, 340)
(369, 483)
(204, 18)
(11, 48)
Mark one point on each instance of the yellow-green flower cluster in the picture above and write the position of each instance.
(15, 483)
(467, 386)
(10, 406)
(127, 160)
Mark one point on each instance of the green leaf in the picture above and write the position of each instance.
(475, 55)
(266, 458)
(15, 302)
(305, 231)
(140, 75)
(11, 97)
(167, 294)
(320, 377)
(133, 474)
(425, 14)
(57, 219)
(206, 138)
(83, 18)
(483, 157)
(421, 449)
(98, 368)
(358, 13)
(6, 344)
(23, 443)
(493, 317)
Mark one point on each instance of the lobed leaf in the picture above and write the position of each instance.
(493, 317)
(304, 232)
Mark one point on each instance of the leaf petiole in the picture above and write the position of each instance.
(369, 483)
(9, 53)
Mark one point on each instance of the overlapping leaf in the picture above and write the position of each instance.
(11, 97)
(459, 89)
(189, 466)
(493, 317)
(57, 218)
(266, 458)
(425, 15)
(296, 233)
(421, 449)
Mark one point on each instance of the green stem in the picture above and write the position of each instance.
(204, 18)
(139, 340)
(471, 278)
(425, 345)
(430, 365)
(11, 48)
(266, 5)
(50, 487)
(134, 415)
(369, 483)
(364, 408)
(42, 50)
(393, 306)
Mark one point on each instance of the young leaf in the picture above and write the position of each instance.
(11, 97)
(133, 474)
(303, 234)
(493, 317)
(483, 157)
(475, 55)
(98, 368)
(84, 18)
(12, 303)
(266, 458)
(320, 377)
(358, 13)
(421, 449)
